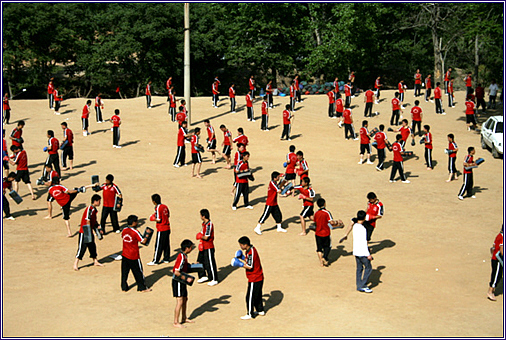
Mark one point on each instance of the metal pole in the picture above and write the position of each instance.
(187, 95)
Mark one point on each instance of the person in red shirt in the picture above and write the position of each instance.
(216, 94)
(348, 125)
(447, 79)
(374, 212)
(293, 93)
(6, 109)
(265, 115)
(469, 83)
(67, 146)
(241, 149)
(64, 198)
(428, 88)
(378, 86)
(50, 95)
(401, 88)
(116, 122)
(89, 218)
(331, 94)
(451, 96)
(181, 116)
(452, 156)
(196, 158)
(84, 118)
(241, 138)
(242, 181)
(211, 140)
(172, 105)
(427, 139)
(365, 145)
(497, 252)
(148, 94)
(231, 95)
(161, 217)
(323, 220)
(206, 250)
(405, 132)
(468, 174)
(291, 162)
(416, 118)
(16, 134)
(398, 165)
(480, 98)
(368, 100)
(380, 138)
(255, 275)
(227, 147)
(303, 170)
(99, 106)
(249, 106)
(130, 258)
(287, 118)
(20, 159)
(470, 113)
(252, 86)
(5, 155)
(58, 99)
(48, 182)
(347, 94)
(179, 289)
(339, 109)
(351, 79)
(182, 135)
(271, 205)
(110, 191)
(438, 100)
(168, 85)
(7, 186)
(396, 110)
(53, 157)
(298, 93)
(306, 194)
(418, 83)
(269, 93)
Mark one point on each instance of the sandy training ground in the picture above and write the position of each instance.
(431, 264)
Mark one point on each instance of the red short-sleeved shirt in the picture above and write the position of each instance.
(286, 117)
(416, 113)
(109, 194)
(272, 194)
(264, 107)
(347, 116)
(226, 137)
(21, 160)
(380, 138)
(208, 230)
(452, 146)
(397, 149)
(400, 86)
(210, 133)
(180, 136)
(498, 242)
(69, 135)
(86, 112)
(309, 192)
(322, 218)
(54, 145)
(469, 80)
(231, 92)
(241, 166)
(89, 218)
(364, 136)
(162, 213)
(242, 139)
(428, 83)
(291, 160)
(373, 211)
(194, 141)
(180, 117)
(469, 108)
(330, 94)
(249, 101)
(16, 133)
(59, 193)
(181, 264)
(437, 93)
(468, 159)
(418, 78)
(428, 140)
(256, 273)
(369, 96)
(347, 90)
(131, 238)
(396, 104)
(405, 132)
(115, 120)
(339, 105)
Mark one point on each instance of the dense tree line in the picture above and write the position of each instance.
(98, 47)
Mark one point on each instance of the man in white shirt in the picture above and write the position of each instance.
(492, 94)
(361, 252)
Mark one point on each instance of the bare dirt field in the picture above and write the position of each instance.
(431, 250)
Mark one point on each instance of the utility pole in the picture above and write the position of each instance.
(187, 94)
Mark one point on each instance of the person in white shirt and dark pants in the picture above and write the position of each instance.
(361, 252)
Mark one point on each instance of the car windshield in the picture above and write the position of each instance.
(499, 128)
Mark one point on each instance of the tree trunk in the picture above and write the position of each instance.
(438, 60)
(138, 90)
(10, 89)
(476, 58)
(89, 92)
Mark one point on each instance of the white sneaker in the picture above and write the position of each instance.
(473, 196)
(258, 231)
(365, 290)
(176, 165)
(234, 112)
(340, 124)
(369, 162)
(234, 208)
(246, 317)
(431, 101)
(406, 181)
(252, 120)
(118, 146)
(443, 113)
(393, 181)
(355, 138)
(266, 129)
(203, 279)
(57, 113)
(249, 207)
(212, 283)
(359, 162)
(10, 218)
(378, 169)
(261, 313)
(281, 230)
(99, 122)
(402, 107)
(152, 263)
(118, 231)
(461, 198)
(165, 261)
(84, 134)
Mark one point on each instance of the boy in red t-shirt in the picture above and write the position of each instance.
(497, 252)
(365, 146)
(227, 145)
(306, 194)
(416, 117)
(116, 122)
(179, 289)
(161, 217)
(206, 250)
(85, 118)
(130, 258)
(452, 156)
(255, 275)
(271, 205)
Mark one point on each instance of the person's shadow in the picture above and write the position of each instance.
(380, 245)
(210, 306)
(375, 276)
(274, 298)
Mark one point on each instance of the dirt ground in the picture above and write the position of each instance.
(431, 263)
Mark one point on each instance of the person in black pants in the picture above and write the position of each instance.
(206, 250)
(497, 261)
(468, 174)
(110, 191)
(130, 259)
(242, 182)
(53, 158)
(7, 185)
(161, 217)
(255, 275)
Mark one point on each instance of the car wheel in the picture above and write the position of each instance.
(483, 145)
(495, 153)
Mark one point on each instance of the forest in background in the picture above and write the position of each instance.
(96, 47)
